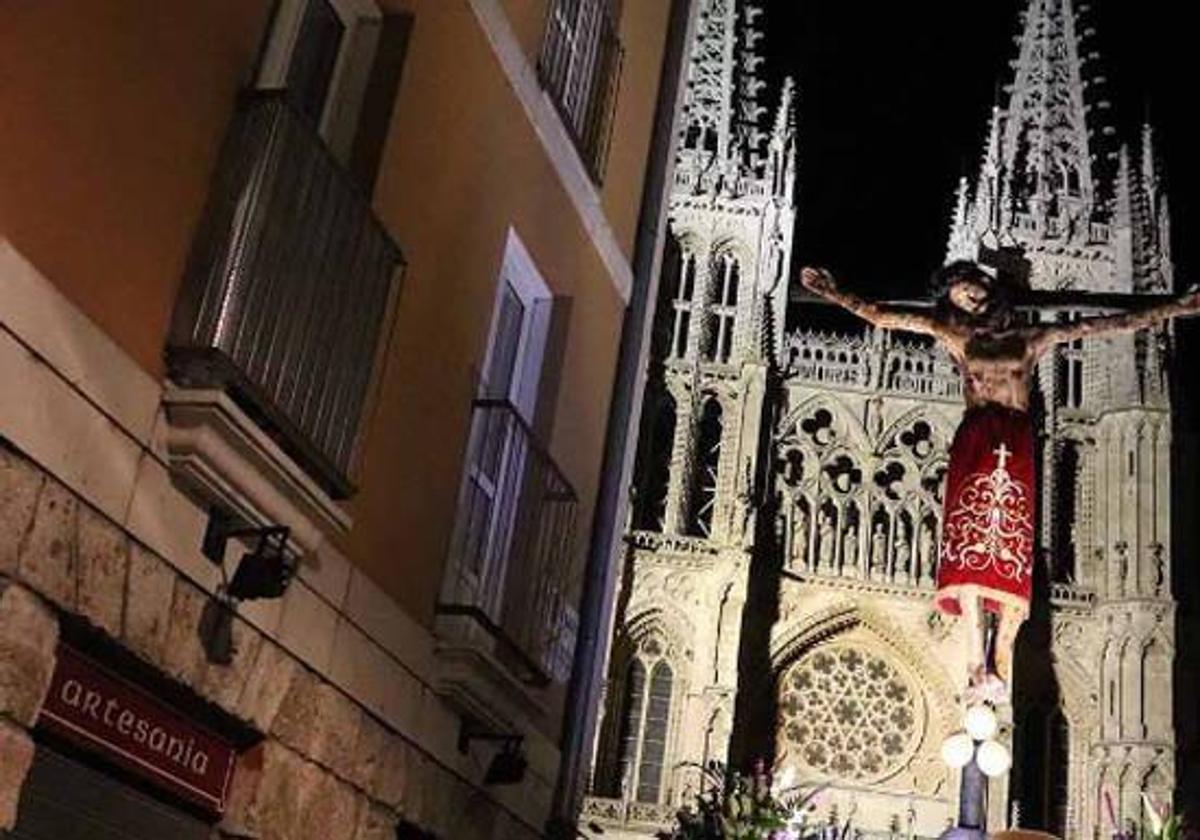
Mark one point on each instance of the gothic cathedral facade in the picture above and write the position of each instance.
(776, 600)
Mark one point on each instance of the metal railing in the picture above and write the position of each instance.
(512, 552)
(289, 289)
(580, 69)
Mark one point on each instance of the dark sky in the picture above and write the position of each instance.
(893, 107)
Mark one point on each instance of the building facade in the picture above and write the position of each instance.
(781, 557)
(308, 331)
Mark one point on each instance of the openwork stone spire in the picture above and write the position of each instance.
(1054, 179)
(723, 140)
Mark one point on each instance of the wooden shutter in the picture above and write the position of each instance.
(66, 800)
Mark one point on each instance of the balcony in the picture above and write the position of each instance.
(288, 292)
(508, 613)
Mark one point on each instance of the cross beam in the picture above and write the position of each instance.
(1041, 300)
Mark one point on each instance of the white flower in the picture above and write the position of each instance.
(1156, 818)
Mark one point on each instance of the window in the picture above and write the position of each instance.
(848, 714)
(681, 305)
(656, 471)
(580, 66)
(723, 309)
(708, 461)
(645, 723)
(1069, 364)
(314, 57)
(340, 61)
(498, 449)
(654, 734)
(631, 724)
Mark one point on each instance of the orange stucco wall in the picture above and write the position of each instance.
(450, 191)
(528, 20)
(643, 32)
(113, 112)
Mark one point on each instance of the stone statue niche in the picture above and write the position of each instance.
(851, 558)
(902, 549)
(880, 525)
(927, 550)
(827, 529)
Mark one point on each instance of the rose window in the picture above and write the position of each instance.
(848, 714)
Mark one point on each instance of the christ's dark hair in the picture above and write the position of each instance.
(1000, 311)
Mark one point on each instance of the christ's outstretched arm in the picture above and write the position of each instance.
(821, 282)
(1045, 338)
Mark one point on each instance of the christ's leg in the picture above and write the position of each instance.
(1009, 622)
(973, 634)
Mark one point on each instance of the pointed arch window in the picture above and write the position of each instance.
(682, 305)
(654, 734)
(1073, 184)
(707, 468)
(631, 725)
(723, 309)
(645, 721)
(656, 469)
(1069, 364)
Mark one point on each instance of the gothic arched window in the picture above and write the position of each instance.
(656, 469)
(681, 305)
(722, 309)
(631, 724)
(645, 721)
(707, 459)
(654, 734)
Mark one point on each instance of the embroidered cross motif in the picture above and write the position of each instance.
(989, 529)
(1002, 453)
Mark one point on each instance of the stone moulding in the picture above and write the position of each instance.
(672, 543)
(214, 448)
(476, 683)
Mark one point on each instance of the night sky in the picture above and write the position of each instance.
(893, 107)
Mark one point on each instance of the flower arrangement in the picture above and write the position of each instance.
(1160, 823)
(754, 806)
(1163, 824)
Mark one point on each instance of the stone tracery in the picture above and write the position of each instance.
(848, 713)
(850, 514)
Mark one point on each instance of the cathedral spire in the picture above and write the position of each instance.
(1053, 180)
(785, 116)
(723, 139)
(1042, 167)
(1045, 142)
(782, 146)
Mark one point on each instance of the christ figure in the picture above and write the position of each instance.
(986, 562)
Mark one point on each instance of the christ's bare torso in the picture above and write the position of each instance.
(996, 367)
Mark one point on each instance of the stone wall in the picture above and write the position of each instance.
(326, 767)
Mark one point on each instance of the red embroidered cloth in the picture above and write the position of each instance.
(987, 533)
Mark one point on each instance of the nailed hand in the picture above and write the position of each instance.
(818, 280)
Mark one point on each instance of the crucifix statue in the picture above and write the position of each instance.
(986, 562)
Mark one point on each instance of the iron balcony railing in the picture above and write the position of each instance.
(288, 290)
(580, 69)
(512, 584)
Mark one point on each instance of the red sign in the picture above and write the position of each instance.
(99, 710)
